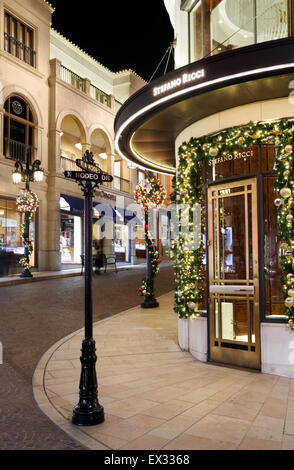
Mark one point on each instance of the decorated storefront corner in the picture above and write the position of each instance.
(189, 264)
(150, 194)
(27, 202)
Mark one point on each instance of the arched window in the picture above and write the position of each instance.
(18, 130)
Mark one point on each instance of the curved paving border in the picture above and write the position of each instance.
(156, 396)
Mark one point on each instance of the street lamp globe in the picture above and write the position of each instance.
(16, 176)
(38, 175)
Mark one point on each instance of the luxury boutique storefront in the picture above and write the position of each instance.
(231, 128)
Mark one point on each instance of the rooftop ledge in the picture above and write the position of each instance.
(148, 123)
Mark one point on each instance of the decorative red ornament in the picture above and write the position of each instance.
(158, 261)
(146, 227)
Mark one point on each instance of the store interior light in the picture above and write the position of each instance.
(103, 156)
(61, 134)
(79, 146)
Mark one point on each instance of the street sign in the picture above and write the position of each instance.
(87, 176)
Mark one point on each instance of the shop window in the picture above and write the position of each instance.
(18, 130)
(71, 239)
(121, 242)
(11, 246)
(19, 39)
(222, 25)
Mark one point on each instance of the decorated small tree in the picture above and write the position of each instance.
(150, 194)
(27, 202)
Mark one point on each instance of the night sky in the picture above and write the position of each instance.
(120, 34)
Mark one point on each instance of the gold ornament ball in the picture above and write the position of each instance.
(289, 217)
(288, 148)
(241, 140)
(289, 302)
(290, 276)
(191, 305)
(286, 174)
(290, 200)
(213, 151)
(284, 246)
(289, 254)
(285, 193)
(291, 293)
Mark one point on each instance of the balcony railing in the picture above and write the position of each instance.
(19, 50)
(85, 86)
(72, 78)
(18, 151)
(121, 184)
(100, 96)
(67, 164)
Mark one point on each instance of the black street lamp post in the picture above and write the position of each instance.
(28, 173)
(149, 301)
(88, 411)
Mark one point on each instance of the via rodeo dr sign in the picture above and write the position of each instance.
(177, 82)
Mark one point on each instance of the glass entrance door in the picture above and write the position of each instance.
(233, 274)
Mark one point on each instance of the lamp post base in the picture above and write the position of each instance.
(26, 273)
(149, 303)
(85, 416)
(88, 411)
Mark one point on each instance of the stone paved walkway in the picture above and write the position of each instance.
(157, 397)
(33, 317)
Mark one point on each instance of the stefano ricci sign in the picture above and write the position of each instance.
(184, 79)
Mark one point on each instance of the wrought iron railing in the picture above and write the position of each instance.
(18, 151)
(19, 50)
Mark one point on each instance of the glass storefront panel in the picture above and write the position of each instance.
(221, 25)
(140, 242)
(71, 239)
(121, 242)
(274, 296)
(11, 246)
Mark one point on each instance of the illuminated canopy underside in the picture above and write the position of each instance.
(147, 136)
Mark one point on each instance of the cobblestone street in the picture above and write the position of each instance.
(33, 318)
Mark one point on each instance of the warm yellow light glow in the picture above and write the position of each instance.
(103, 156)
(16, 177)
(39, 176)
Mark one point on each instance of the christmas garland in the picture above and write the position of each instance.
(150, 194)
(27, 202)
(188, 264)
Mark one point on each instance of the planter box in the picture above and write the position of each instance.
(277, 349)
(192, 337)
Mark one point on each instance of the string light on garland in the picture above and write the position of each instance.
(27, 202)
(150, 194)
(189, 268)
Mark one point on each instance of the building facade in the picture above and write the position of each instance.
(225, 116)
(56, 103)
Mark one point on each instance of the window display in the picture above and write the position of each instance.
(11, 247)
